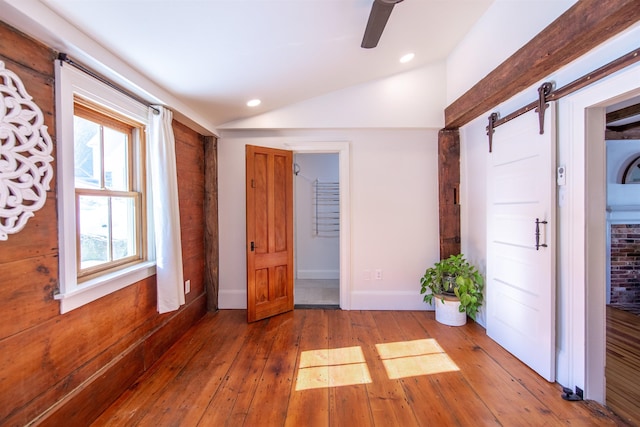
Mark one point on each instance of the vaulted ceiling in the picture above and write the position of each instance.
(215, 55)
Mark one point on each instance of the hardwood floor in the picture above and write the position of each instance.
(343, 368)
(623, 363)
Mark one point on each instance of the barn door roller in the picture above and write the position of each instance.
(544, 93)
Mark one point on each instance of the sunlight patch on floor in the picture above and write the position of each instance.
(333, 367)
(413, 358)
(336, 367)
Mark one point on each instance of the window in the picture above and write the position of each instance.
(109, 182)
(632, 172)
(105, 243)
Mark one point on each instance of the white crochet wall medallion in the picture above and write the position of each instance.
(25, 155)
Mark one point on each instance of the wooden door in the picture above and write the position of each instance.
(521, 241)
(269, 194)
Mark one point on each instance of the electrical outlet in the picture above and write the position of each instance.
(187, 286)
(378, 274)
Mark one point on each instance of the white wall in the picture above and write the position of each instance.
(503, 29)
(414, 99)
(473, 191)
(393, 214)
(37, 20)
(620, 153)
(621, 197)
(623, 200)
(391, 127)
(317, 255)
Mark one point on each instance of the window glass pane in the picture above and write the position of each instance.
(94, 230)
(107, 196)
(86, 153)
(116, 158)
(124, 227)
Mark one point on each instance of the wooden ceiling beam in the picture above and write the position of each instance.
(624, 128)
(631, 134)
(581, 28)
(623, 113)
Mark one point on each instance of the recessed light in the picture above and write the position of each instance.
(253, 103)
(408, 57)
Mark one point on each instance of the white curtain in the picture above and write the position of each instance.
(166, 212)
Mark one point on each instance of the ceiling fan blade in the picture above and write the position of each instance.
(380, 12)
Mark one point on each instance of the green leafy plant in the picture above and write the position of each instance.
(454, 276)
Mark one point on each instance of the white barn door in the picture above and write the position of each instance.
(521, 223)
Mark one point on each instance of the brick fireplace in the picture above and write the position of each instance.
(625, 264)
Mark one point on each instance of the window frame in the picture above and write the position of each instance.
(136, 172)
(73, 85)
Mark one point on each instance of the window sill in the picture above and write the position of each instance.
(98, 287)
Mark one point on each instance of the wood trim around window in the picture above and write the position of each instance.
(136, 184)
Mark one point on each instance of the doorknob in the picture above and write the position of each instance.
(253, 246)
(538, 244)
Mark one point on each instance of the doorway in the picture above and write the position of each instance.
(583, 254)
(340, 149)
(317, 229)
(269, 183)
(595, 103)
(622, 393)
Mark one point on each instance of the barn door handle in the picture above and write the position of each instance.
(538, 244)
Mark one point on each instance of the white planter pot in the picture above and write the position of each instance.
(448, 312)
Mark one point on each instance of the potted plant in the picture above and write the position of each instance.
(458, 285)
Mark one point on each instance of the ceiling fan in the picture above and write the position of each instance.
(380, 12)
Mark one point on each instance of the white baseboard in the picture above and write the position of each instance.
(388, 300)
(360, 300)
(318, 274)
(232, 299)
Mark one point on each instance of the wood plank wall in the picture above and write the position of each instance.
(58, 368)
